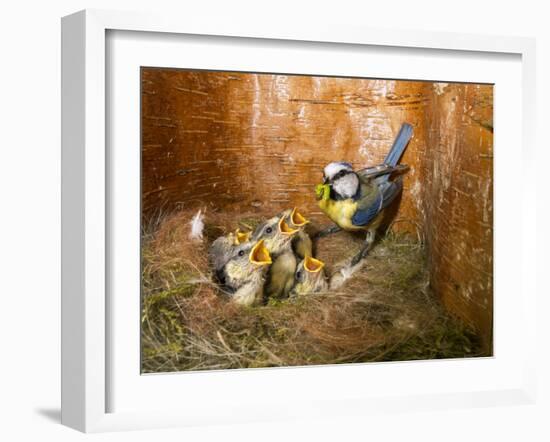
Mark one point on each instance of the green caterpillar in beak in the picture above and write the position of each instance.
(322, 192)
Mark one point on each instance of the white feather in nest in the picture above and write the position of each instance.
(338, 279)
(197, 226)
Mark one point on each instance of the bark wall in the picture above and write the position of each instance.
(457, 178)
(260, 142)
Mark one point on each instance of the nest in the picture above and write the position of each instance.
(385, 312)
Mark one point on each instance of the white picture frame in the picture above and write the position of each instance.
(86, 202)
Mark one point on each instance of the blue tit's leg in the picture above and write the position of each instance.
(369, 241)
(326, 232)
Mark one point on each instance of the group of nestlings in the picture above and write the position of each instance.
(274, 261)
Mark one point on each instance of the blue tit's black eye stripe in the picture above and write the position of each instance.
(342, 173)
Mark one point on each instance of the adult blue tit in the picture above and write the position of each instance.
(355, 200)
(243, 275)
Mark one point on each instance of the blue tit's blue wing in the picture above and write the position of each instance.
(363, 217)
(390, 191)
(386, 193)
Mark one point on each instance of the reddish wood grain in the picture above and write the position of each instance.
(458, 201)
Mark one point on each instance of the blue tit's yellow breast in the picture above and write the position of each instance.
(340, 212)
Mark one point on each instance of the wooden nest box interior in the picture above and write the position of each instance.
(259, 142)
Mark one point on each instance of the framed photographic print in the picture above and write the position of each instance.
(281, 223)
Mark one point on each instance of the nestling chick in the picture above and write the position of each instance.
(221, 249)
(309, 277)
(243, 275)
(301, 244)
(278, 236)
(280, 277)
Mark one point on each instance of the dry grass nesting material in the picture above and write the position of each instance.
(386, 312)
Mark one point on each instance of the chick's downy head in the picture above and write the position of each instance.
(247, 263)
(309, 277)
(221, 249)
(276, 232)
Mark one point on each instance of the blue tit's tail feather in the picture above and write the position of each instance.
(399, 145)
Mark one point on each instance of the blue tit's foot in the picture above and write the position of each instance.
(369, 241)
(362, 254)
(326, 232)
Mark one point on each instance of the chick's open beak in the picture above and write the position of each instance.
(285, 228)
(259, 254)
(313, 265)
(297, 218)
(241, 237)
